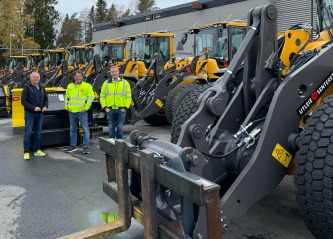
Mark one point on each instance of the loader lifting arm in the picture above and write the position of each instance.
(164, 85)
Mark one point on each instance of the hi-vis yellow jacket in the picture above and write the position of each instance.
(116, 94)
(79, 97)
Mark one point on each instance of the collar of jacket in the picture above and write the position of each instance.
(78, 83)
(38, 85)
(113, 80)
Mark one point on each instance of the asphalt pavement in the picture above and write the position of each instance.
(56, 195)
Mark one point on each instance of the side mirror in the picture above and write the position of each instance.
(219, 31)
(184, 38)
(147, 41)
(102, 46)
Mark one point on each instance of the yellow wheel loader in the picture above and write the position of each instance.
(246, 133)
(79, 58)
(142, 50)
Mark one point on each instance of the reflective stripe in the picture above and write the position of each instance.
(117, 97)
(107, 89)
(121, 94)
(75, 104)
(79, 96)
(76, 98)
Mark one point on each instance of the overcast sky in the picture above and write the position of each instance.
(71, 6)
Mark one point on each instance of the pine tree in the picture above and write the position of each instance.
(46, 17)
(113, 13)
(145, 6)
(101, 11)
(126, 13)
(71, 31)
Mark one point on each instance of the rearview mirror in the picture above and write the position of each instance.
(219, 31)
(184, 38)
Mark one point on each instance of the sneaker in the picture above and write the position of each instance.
(39, 153)
(71, 150)
(26, 156)
(86, 151)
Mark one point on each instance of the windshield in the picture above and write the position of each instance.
(208, 38)
(71, 58)
(34, 60)
(237, 36)
(15, 61)
(109, 50)
(88, 55)
(163, 47)
(99, 49)
(54, 58)
(117, 51)
(325, 16)
(140, 47)
(146, 47)
(80, 56)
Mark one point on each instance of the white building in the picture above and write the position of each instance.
(179, 19)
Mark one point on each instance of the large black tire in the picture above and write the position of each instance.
(314, 174)
(157, 119)
(175, 97)
(186, 108)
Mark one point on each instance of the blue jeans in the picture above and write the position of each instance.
(116, 119)
(33, 123)
(83, 118)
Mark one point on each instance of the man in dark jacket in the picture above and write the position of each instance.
(35, 102)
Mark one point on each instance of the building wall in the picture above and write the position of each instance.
(181, 23)
(290, 12)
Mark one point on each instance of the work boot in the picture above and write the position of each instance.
(26, 156)
(71, 149)
(86, 151)
(40, 153)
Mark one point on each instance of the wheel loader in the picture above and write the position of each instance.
(54, 67)
(239, 143)
(78, 58)
(106, 53)
(142, 50)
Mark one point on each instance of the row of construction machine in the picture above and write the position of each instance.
(214, 45)
(153, 70)
(138, 68)
(56, 71)
(157, 77)
(55, 129)
(241, 137)
(17, 68)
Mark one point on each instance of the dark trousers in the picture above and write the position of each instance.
(33, 123)
(116, 119)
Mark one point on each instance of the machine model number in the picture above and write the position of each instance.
(314, 96)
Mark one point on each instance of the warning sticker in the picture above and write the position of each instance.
(282, 155)
(159, 103)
